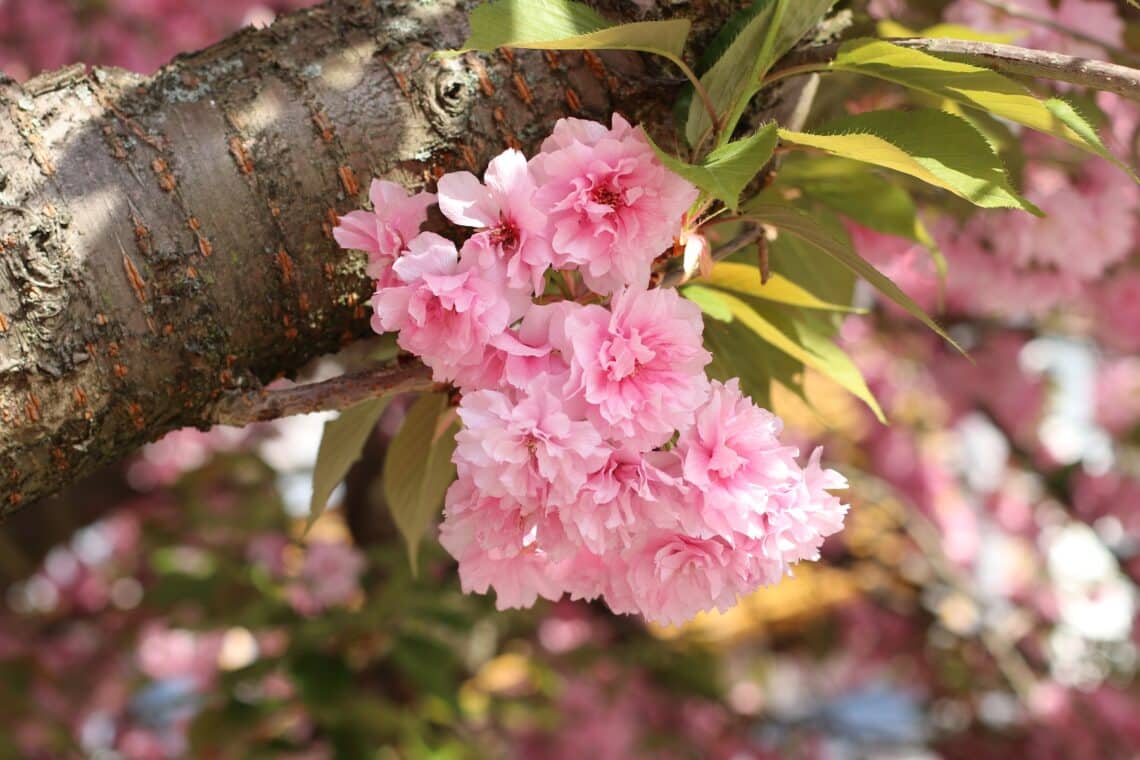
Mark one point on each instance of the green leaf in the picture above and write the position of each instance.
(737, 353)
(418, 470)
(969, 85)
(811, 268)
(745, 279)
(808, 229)
(745, 49)
(888, 28)
(566, 25)
(727, 170)
(1072, 118)
(709, 301)
(856, 191)
(936, 147)
(806, 345)
(341, 443)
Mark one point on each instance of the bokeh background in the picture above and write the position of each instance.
(980, 603)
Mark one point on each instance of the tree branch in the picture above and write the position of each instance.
(338, 392)
(165, 241)
(1016, 11)
(1007, 59)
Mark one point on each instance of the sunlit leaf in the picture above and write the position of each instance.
(566, 25)
(858, 192)
(727, 170)
(742, 52)
(709, 302)
(737, 352)
(890, 28)
(970, 85)
(936, 147)
(341, 443)
(811, 268)
(800, 342)
(805, 227)
(418, 469)
(745, 279)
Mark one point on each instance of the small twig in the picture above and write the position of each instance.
(1015, 11)
(741, 241)
(243, 408)
(1007, 59)
(676, 277)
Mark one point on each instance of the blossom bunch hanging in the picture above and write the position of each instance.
(595, 458)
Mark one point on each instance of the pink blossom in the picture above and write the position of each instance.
(639, 365)
(176, 653)
(531, 447)
(1089, 222)
(675, 576)
(446, 311)
(513, 229)
(138, 743)
(1113, 494)
(612, 206)
(1123, 117)
(732, 457)
(267, 551)
(992, 379)
(331, 572)
(385, 231)
(499, 544)
(1118, 395)
(1118, 310)
(983, 280)
(630, 493)
(529, 350)
(886, 8)
(515, 357)
(798, 519)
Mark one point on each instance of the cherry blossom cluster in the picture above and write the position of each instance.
(596, 457)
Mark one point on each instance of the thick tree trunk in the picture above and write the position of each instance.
(165, 241)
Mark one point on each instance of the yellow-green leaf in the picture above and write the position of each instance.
(709, 302)
(342, 441)
(803, 226)
(745, 279)
(858, 192)
(970, 85)
(747, 47)
(889, 28)
(930, 145)
(566, 25)
(418, 469)
(813, 350)
(737, 353)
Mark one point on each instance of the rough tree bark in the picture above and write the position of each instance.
(165, 241)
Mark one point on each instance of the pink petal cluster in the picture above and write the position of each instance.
(595, 458)
(1092, 213)
(611, 205)
(329, 577)
(384, 231)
